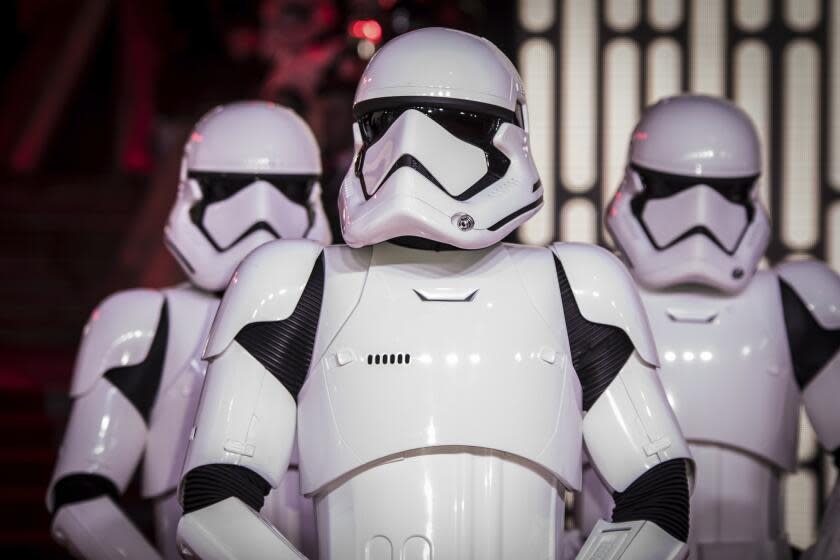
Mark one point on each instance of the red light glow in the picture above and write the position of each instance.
(614, 205)
(366, 29)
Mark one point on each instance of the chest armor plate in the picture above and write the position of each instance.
(442, 350)
(726, 367)
(173, 414)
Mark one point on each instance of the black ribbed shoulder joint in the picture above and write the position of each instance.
(811, 346)
(210, 484)
(598, 351)
(661, 496)
(284, 347)
(139, 383)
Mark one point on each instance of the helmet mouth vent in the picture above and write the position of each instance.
(388, 359)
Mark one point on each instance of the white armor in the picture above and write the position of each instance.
(250, 174)
(465, 178)
(687, 210)
(729, 351)
(139, 372)
(437, 394)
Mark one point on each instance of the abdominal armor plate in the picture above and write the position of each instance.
(726, 368)
(446, 351)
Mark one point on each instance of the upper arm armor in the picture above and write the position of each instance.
(605, 293)
(115, 382)
(811, 305)
(266, 287)
(605, 320)
(810, 294)
(272, 308)
(127, 330)
(817, 286)
(632, 430)
(284, 347)
(265, 326)
(105, 437)
(598, 351)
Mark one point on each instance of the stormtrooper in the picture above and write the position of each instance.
(440, 381)
(249, 175)
(740, 349)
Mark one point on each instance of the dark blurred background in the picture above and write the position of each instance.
(97, 98)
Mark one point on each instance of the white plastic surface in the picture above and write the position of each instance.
(98, 530)
(727, 372)
(441, 504)
(455, 66)
(246, 417)
(276, 275)
(605, 293)
(167, 512)
(229, 530)
(438, 62)
(730, 350)
(465, 384)
(736, 507)
(292, 513)
(694, 260)
(250, 136)
(633, 540)
(261, 202)
(416, 134)
(105, 436)
(630, 428)
(191, 313)
(246, 138)
(119, 333)
(817, 286)
(594, 501)
(461, 449)
(702, 137)
(408, 204)
(819, 289)
(697, 207)
(696, 135)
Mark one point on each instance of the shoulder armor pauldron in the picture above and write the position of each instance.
(120, 334)
(266, 287)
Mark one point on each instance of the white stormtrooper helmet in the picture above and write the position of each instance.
(249, 175)
(687, 211)
(442, 148)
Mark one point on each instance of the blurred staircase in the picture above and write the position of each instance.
(59, 245)
(26, 462)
